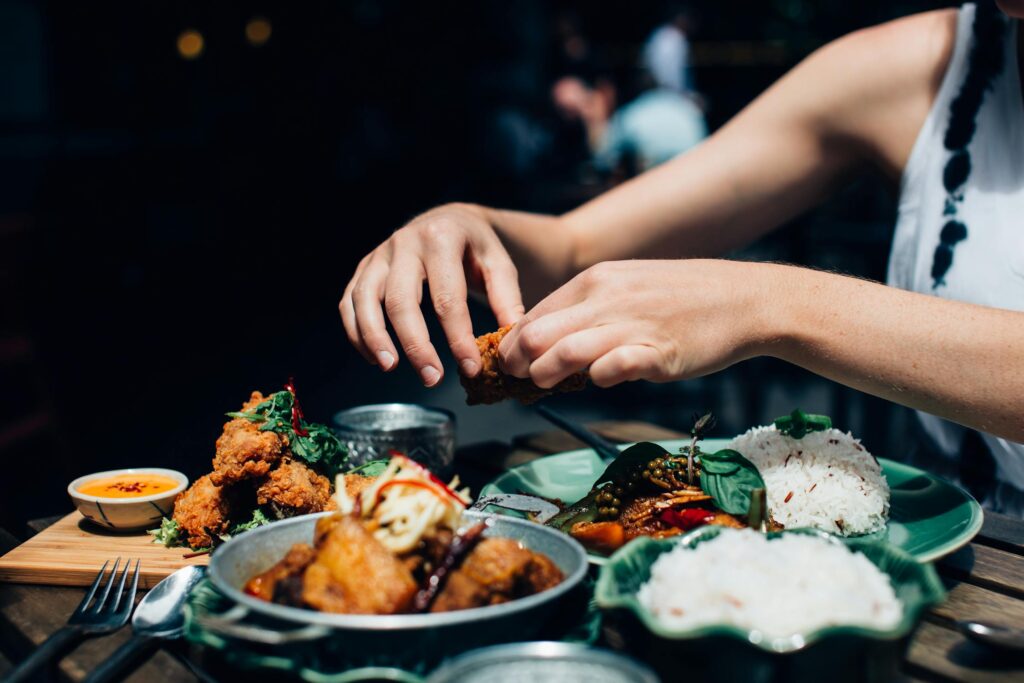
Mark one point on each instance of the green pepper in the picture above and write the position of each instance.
(798, 423)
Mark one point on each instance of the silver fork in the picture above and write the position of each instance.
(108, 613)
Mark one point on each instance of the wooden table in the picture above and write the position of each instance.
(985, 582)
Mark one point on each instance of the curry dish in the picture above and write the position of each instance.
(395, 547)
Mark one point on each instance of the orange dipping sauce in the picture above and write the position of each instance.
(128, 486)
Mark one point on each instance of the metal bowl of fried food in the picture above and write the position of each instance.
(410, 641)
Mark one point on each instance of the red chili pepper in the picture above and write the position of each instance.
(405, 482)
(687, 518)
(297, 414)
(444, 487)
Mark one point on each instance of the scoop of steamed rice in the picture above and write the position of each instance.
(791, 585)
(826, 480)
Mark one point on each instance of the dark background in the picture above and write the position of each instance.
(175, 233)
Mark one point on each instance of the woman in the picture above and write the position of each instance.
(932, 100)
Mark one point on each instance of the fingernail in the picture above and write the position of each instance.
(385, 360)
(469, 367)
(430, 375)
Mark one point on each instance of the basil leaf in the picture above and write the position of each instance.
(319, 447)
(627, 461)
(719, 463)
(798, 423)
(730, 480)
(373, 468)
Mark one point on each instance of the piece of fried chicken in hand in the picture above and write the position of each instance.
(202, 510)
(493, 385)
(294, 489)
(245, 452)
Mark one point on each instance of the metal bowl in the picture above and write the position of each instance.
(403, 640)
(427, 435)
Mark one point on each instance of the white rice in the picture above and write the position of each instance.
(825, 480)
(788, 586)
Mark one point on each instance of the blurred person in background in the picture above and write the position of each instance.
(931, 101)
(666, 54)
(649, 130)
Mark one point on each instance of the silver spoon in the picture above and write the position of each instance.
(993, 635)
(539, 509)
(159, 616)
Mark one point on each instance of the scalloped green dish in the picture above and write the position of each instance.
(917, 586)
(929, 517)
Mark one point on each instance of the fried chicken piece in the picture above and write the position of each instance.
(355, 574)
(293, 488)
(497, 570)
(492, 385)
(202, 510)
(243, 451)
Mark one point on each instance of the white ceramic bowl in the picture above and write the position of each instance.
(144, 512)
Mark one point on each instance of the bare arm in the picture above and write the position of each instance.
(678, 319)
(856, 102)
(959, 361)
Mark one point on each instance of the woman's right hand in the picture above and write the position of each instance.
(455, 249)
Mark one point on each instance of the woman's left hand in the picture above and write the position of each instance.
(653, 320)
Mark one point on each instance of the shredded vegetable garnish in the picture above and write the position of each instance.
(407, 502)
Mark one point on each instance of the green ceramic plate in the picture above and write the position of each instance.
(917, 586)
(929, 517)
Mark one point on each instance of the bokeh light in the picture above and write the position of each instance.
(190, 43)
(257, 31)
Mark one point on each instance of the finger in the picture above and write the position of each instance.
(490, 262)
(403, 294)
(446, 281)
(625, 364)
(348, 316)
(534, 336)
(575, 352)
(572, 292)
(501, 281)
(366, 303)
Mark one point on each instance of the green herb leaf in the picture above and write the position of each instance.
(373, 468)
(645, 451)
(720, 467)
(258, 520)
(169, 533)
(798, 423)
(729, 479)
(319, 447)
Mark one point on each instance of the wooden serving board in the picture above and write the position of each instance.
(71, 551)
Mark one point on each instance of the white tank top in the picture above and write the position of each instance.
(988, 265)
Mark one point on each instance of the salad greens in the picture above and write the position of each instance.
(169, 533)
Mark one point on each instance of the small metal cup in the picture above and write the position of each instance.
(427, 435)
(542, 662)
